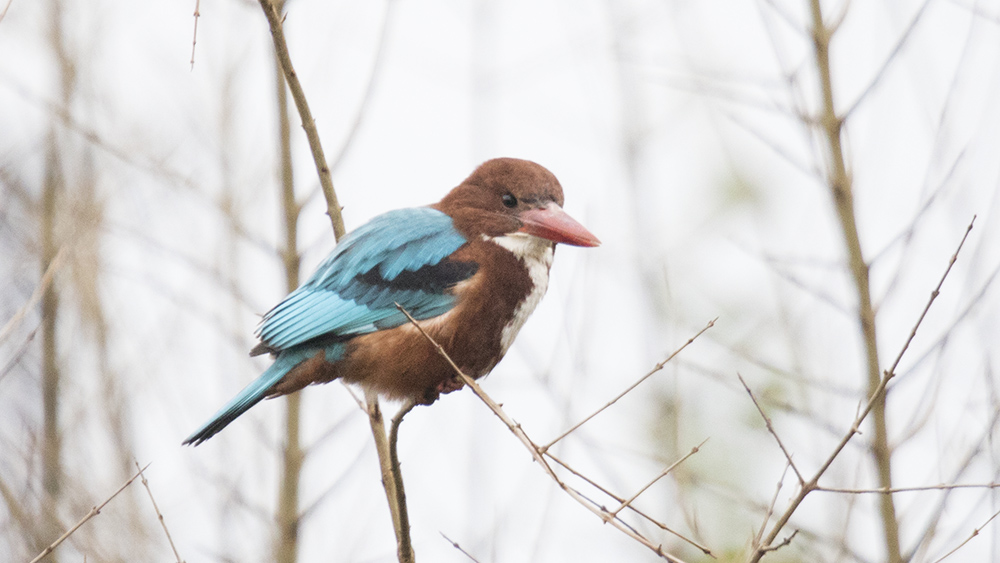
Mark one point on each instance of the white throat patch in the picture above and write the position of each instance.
(536, 254)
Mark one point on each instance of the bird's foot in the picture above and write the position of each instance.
(445, 387)
(449, 385)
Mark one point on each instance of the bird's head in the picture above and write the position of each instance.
(509, 195)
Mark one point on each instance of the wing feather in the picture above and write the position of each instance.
(398, 257)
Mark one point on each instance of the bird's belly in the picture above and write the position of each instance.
(400, 363)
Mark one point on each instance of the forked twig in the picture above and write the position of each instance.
(159, 516)
(770, 428)
(43, 285)
(93, 512)
(770, 507)
(631, 507)
(813, 483)
(392, 479)
(628, 390)
(627, 503)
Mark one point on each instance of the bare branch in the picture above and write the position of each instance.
(782, 544)
(889, 59)
(5, 8)
(813, 483)
(662, 474)
(939, 487)
(36, 295)
(934, 294)
(159, 516)
(93, 512)
(458, 547)
(536, 452)
(404, 542)
(632, 508)
(770, 507)
(770, 428)
(975, 532)
(840, 184)
(658, 367)
(322, 168)
(392, 480)
(194, 37)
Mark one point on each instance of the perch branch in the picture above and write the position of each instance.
(536, 452)
(308, 124)
(392, 479)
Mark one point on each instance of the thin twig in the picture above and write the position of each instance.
(397, 505)
(940, 487)
(5, 8)
(458, 547)
(93, 512)
(404, 543)
(632, 508)
(43, 285)
(896, 49)
(781, 544)
(975, 532)
(657, 368)
(934, 294)
(308, 124)
(18, 354)
(770, 428)
(770, 507)
(667, 470)
(194, 37)
(159, 516)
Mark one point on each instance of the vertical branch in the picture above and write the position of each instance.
(51, 440)
(287, 515)
(840, 184)
(52, 189)
(392, 477)
(274, 19)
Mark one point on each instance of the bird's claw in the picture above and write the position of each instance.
(449, 385)
(445, 387)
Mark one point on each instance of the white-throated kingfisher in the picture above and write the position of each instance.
(469, 269)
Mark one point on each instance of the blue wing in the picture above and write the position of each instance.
(397, 257)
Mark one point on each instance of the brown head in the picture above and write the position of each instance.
(507, 195)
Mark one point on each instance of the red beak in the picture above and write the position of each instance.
(552, 223)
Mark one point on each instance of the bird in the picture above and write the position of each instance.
(469, 269)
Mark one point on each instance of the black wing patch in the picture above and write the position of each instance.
(374, 291)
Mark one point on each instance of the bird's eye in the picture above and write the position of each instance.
(509, 200)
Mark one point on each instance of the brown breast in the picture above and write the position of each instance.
(492, 305)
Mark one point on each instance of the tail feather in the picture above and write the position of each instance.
(248, 397)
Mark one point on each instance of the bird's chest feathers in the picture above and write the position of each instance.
(493, 305)
(533, 256)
